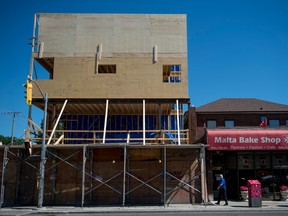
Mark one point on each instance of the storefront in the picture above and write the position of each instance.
(248, 154)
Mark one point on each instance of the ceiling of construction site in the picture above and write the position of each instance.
(114, 107)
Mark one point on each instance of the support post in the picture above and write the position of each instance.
(13, 114)
(43, 155)
(105, 122)
(59, 139)
(192, 124)
(124, 175)
(203, 175)
(144, 125)
(164, 176)
(53, 183)
(5, 160)
(27, 132)
(58, 119)
(83, 175)
(13, 122)
(128, 137)
(178, 122)
(19, 157)
(91, 174)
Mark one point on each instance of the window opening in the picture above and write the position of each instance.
(43, 68)
(107, 69)
(274, 123)
(172, 73)
(211, 124)
(229, 123)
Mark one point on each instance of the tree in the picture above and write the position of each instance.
(7, 140)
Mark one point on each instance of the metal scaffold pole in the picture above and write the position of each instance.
(43, 156)
(5, 160)
(33, 46)
(164, 176)
(124, 174)
(144, 123)
(91, 174)
(19, 156)
(83, 175)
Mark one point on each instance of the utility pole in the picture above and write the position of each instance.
(13, 114)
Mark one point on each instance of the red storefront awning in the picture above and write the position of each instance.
(247, 139)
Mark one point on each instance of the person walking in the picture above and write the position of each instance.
(222, 191)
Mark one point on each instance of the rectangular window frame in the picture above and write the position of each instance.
(107, 69)
(274, 123)
(211, 123)
(172, 73)
(229, 123)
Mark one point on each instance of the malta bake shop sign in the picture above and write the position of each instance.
(267, 139)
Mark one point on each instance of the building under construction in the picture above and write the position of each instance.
(113, 127)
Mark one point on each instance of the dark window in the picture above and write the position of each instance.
(108, 69)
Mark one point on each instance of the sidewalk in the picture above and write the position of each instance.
(210, 207)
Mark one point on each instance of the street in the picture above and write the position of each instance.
(270, 213)
(15, 212)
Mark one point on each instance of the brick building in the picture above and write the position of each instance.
(246, 139)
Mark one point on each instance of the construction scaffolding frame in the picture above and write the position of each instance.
(83, 184)
(96, 167)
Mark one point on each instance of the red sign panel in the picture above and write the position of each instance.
(247, 140)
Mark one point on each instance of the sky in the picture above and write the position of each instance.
(236, 48)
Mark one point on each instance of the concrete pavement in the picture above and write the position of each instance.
(209, 207)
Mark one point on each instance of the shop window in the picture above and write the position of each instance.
(263, 121)
(229, 123)
(231, 160)
(245, 161)
(262, 161)
(274, 123)
(172, 73)
(211, 124)
(107, 69)
(280, 161)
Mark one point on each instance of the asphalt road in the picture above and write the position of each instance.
(230, 213)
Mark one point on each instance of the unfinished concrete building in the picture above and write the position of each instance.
(114, 135)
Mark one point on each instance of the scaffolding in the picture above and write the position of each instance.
(111, 174)
(109, 147)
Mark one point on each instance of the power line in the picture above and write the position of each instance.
(13, 114)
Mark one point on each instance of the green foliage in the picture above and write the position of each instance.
(7, 140)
